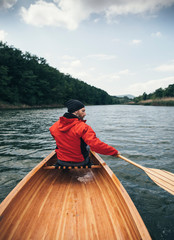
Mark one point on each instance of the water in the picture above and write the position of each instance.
(143, 134)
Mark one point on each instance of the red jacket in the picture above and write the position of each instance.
(68, 133)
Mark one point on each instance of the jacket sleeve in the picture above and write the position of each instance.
(96, 144)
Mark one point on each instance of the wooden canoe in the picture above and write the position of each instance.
(86, 203)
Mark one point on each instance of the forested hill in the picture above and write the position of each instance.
(27, 79)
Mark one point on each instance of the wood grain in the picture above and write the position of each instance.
(71, 204)
(162, 178)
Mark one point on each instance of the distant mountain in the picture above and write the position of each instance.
(127, 95)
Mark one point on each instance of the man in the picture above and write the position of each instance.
(74, 137)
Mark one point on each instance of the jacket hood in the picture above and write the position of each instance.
(68, 121)
(65, 124)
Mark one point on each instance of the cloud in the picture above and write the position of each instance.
(96, 20)
(43, 14)
(102, 56)
(70, 13)
(136, 42)
(157, 34)
(70, 61)
(3, 34)
(149, 86)
(108, 77)
(125, 72)
(7, 3)
(71, 65)
(63, 13)
(165, 67)
(78, 69)
(76, 63)
(116, 40)
(137, 6)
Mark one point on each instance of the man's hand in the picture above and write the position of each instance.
(116, 154)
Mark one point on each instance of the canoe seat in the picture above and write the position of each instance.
(71, 167)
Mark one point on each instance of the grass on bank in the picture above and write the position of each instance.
(158, 102)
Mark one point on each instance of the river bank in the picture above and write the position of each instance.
(4, 106)
(158, 102)
(148, 102)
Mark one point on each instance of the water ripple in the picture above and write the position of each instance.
(143, 134)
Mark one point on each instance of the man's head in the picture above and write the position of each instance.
(76, 107)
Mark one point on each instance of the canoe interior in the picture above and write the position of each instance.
(70, 204)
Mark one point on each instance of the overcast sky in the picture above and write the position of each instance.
(120, 46)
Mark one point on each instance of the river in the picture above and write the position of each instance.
(144, 134)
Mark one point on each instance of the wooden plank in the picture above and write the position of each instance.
(22, 183)
(79, 204)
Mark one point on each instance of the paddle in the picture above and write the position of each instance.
(162, 178)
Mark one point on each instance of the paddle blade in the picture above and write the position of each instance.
(162, 178)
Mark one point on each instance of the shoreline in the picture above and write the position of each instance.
(149, 102)
(158, 102)
(7, 106)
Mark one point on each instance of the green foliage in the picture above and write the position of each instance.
(169, 92)
(158, 94)
(122, 100)
(27, 79)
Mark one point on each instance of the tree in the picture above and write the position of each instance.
(5, 79)
(159, 93)
(28, 79)
(144, 96)
(169, 92)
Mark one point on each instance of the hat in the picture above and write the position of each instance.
(74, 105)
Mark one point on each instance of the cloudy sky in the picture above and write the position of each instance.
(121, 46)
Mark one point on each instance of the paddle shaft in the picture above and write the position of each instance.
(129, 161)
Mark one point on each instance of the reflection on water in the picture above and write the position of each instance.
(143, 134)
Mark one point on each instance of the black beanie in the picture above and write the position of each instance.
(74, 105)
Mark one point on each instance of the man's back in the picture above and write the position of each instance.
(68, 135)
(72, 136)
